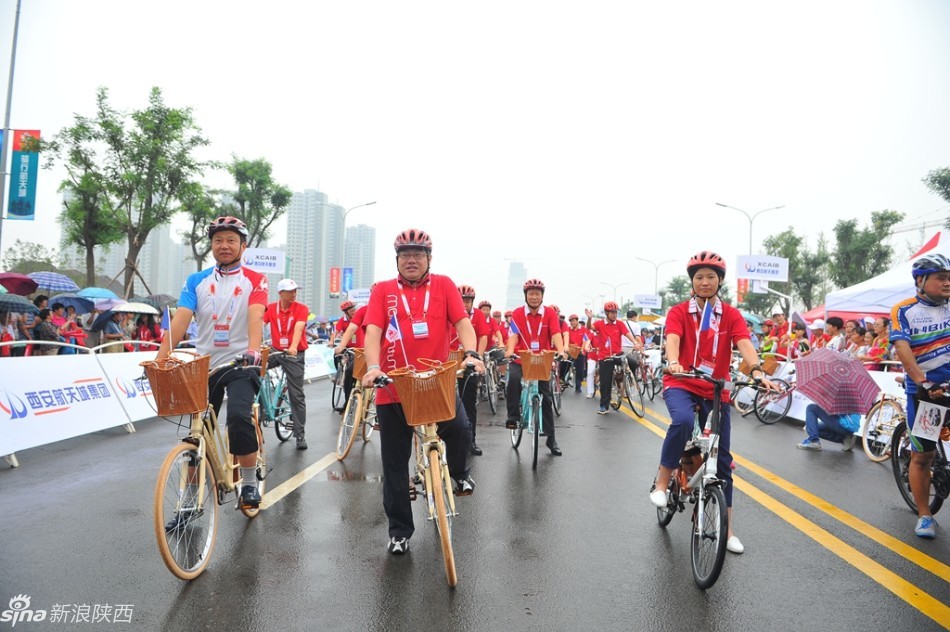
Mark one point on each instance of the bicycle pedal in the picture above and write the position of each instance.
(413, 494)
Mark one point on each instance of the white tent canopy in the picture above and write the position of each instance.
(881, 293)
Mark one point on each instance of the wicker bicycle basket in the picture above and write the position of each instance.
(179, 388)
(573, 351)
(769, 365)
(359, 364)
(456, 356)
(536, 366)
(427, 396)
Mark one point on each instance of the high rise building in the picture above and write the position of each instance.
(314, 242)
(361, 254)
(517, 275)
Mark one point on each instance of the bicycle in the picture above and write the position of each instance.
(490, 381)
(432, 467)
(273, 399)
(195, 478)
(696, 481)
(772, 406)
(555, 383)
(534, 367)
(879, 426)
(646, 377)
(625, 386)
(939, 471)
(360, 411)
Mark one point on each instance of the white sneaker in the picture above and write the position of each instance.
(658, 498)
(733, 545)
(590, 395)
(848, 444)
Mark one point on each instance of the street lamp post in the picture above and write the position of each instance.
(343, 246)
(611, 285)
(656, 271)
(750, 217)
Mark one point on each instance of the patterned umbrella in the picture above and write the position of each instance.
(17, 283)
(136, 308)
(53, 281)
(80, 304)
(18, 304)
(837, 382)
(159, 301)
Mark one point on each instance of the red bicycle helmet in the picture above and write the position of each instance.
(484, 304)
(610, 306)
(507, 313)
(533, 284)
(226, 222)
(496, 314)
(345, 305)
(467, 291)
(706, 259)
(572, 317)
(413, 238)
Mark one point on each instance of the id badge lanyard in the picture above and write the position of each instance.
(420, 328)
(535, 342)
(284, 338)
(222, 331)
(714, 326)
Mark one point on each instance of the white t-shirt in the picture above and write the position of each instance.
(634, 328)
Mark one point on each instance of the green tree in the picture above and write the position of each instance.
(149, 163)
(88, 217)
(259, 199)
(811, 280)
(862, 253)
(676, 291)
(938, 181)
(27, 256)
(201, 205)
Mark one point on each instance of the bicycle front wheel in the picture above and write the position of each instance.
(710, 529)
(185, 515)
(556, 394)
(283, 419)
(616, 396)
(648, 387)
(879, 428)
(369, 416)
(900, 465)
(491, 388)
(352, 417)
(747, 405)
(634, 394)
(443, 521)
(535, 429)
(771, 406)
(336, 397)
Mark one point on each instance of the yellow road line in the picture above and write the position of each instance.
(911, 594)
(295, 481)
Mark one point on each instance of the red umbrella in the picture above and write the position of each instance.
(837, 382)
(17, 283)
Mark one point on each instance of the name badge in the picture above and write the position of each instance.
(535, 345)
(705, 366)
(420, 329)
(283, 342)
(929, 420)
(221, 335)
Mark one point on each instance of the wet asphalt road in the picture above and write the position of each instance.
(572, 546)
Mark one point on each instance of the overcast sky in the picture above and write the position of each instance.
(572, 136)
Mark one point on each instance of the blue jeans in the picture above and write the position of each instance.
(819, 423)
(681, 405)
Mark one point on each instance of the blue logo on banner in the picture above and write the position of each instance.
(347, 279)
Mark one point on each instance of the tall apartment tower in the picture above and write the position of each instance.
(517, 275)
(314, 244)
(361, 254)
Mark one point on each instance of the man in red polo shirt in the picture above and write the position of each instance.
(611, 333)
(409, 318)
(288, 319)
(532, 328)
(577, 335)
(342, 324)
(468, 384)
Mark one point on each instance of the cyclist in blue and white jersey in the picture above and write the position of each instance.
(920, 333)
(228, 302)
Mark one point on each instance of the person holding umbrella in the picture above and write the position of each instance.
(922, 341)
(820, 424)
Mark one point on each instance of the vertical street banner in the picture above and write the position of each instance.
(334, 283)
(24, 167)
(347, 279)
(742, 289)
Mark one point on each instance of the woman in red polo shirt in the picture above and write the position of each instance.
(689, 346)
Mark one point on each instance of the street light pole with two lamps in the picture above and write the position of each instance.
(611, 285)
(656, 270)
(343, 245)
(750, 217)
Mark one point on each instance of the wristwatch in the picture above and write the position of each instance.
(471, 354)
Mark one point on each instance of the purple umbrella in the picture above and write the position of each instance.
(17, 283)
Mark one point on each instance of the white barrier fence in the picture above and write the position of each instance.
(44, 399)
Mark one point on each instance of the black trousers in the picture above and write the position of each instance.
(468, 391)
(513, 399)
(241, 386)
(580, 370)
(396, 450)
(606, 381)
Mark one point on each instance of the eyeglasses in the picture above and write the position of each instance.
(413, 255)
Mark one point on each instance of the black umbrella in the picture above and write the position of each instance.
(18, 304)
(159, 301)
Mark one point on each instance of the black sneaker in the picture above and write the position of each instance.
(182, 519)
(301, 443)
(475, 450)
(398, 546)
(464, 486)
(511, 424)
(250, 497)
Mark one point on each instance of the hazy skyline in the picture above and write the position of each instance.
(570, 137)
